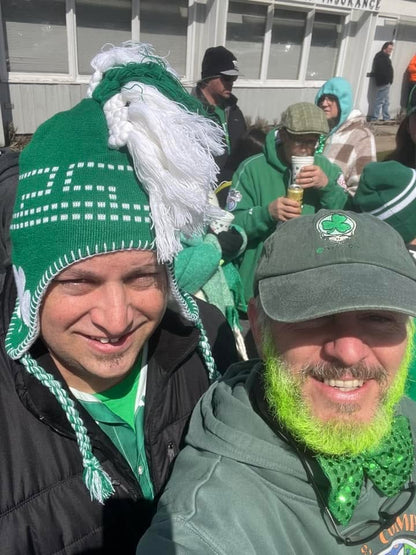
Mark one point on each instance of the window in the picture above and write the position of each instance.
(37, 34)
(36, 38)
(100, 22)
(288, 32)
(324, 46)
(246, 25)
(273, 42)
(164, 25)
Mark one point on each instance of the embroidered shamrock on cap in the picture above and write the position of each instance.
(336, 227)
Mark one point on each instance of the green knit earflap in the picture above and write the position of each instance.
(98, 482)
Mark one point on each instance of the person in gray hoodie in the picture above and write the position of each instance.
(309, 450)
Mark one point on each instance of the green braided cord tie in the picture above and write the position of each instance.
(98, 482)
(388, 467)
(204, 345)
(154, 74)
(177, 294)
(190, 310)
(321, 144)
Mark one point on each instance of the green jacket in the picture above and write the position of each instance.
(238, 489)
(258, 181)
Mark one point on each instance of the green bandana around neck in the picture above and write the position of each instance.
(389, 467)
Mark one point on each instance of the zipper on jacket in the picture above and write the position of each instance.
(171, 451)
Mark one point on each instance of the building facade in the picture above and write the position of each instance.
(286, 49)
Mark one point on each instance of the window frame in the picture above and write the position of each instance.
(194, 45)
(73, 76)
(302, 81)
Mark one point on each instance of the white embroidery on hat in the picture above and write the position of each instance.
(22, 294)
(336, 227)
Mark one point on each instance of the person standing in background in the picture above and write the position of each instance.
(219, 73)
(382, 72)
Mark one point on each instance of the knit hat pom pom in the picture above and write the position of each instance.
(172, 145)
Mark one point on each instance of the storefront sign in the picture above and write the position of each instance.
(368, 5)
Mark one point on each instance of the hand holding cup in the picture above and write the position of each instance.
(312, 176)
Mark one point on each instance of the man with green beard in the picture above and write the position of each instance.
(310, 450)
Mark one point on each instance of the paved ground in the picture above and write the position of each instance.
(385, 135)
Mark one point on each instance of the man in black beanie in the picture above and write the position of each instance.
(219, 72)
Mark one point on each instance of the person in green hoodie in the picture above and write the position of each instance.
(258, 191)
(309, 450)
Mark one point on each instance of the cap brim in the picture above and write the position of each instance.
(306, 132)
(233, 72)
(333, 289)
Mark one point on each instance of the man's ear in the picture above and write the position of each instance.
(254, 325)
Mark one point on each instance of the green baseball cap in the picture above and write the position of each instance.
(304, 118)
(331, 262)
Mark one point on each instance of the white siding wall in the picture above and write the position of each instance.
(34, 99)
(33, 104)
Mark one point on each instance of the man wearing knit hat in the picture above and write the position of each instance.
(310, 450)
(219, 72)
(258, 194)
(106, 356)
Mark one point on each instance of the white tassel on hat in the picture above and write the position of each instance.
(172, 149)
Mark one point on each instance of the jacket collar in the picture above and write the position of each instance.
(173, 341)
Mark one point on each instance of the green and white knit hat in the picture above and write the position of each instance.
(131, 167)
(387, 190)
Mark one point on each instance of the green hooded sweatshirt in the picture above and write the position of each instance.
(239, 489)
(257, 182)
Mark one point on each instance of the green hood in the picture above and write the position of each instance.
(230, 426)
(269, 149)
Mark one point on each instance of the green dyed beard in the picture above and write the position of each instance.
(334, 437)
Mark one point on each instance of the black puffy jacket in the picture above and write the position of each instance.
(9, 177)
(45, 507)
